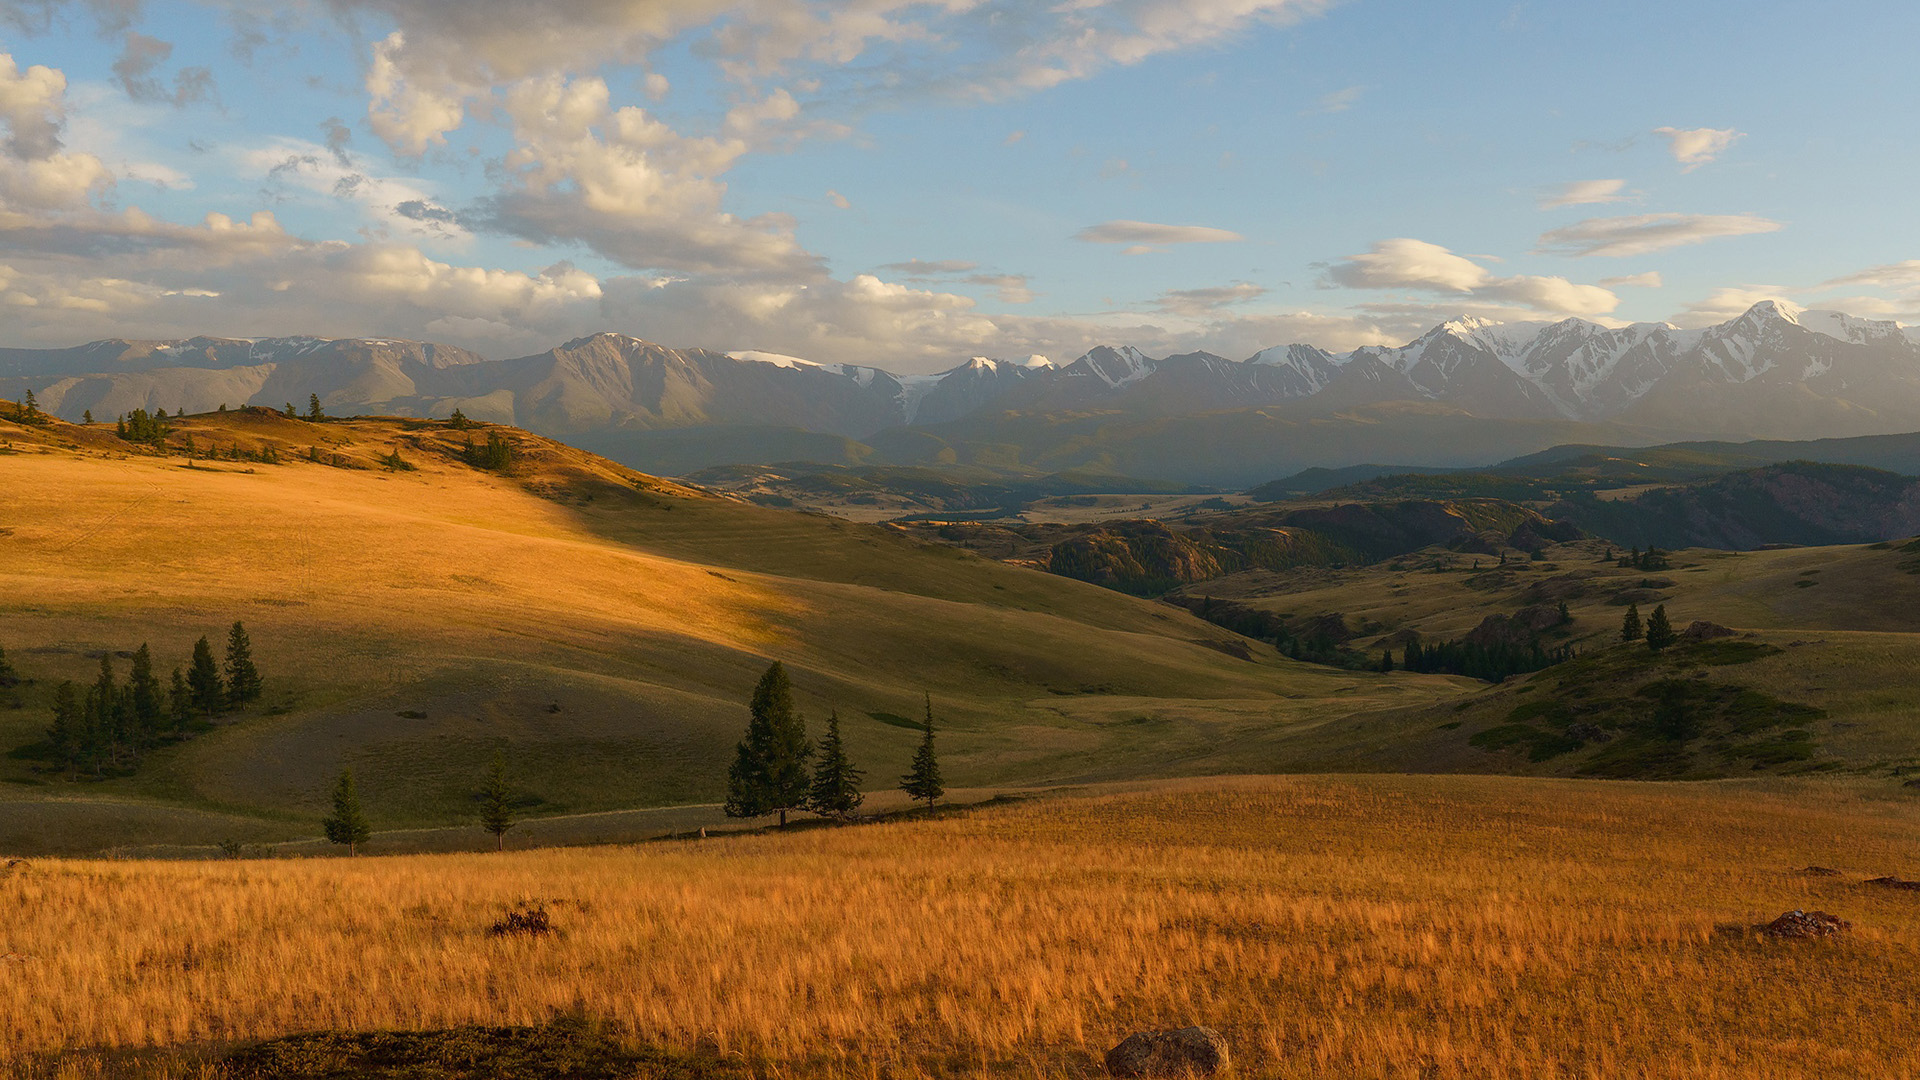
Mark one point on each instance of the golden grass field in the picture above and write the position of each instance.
(603, 627)
(1354, 927)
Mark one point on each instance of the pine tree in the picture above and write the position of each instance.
(923, 782)
(65, 734)
(458, 421)
(8, 676)
(496, 804)
(86, 416)
(836, 783)
(1386, 660)
(243, 679)
(180, 702)
(1630, 630)
(1566, 615)
(143, 696)
(348, 825)
(314, 412)
(103, 699)
(203, 680)
(1660, 631)
(30, 407)
(291, 415)
(769, 772)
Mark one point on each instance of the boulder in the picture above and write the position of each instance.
(1702, 630)
(1192, 1051)
(1805, 924)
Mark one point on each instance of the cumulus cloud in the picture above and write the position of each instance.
(36, 172)
(1694, 147)
(1644, 234)
(1583, 192)
(1418, 266)
(629, 187)
(1149, 234)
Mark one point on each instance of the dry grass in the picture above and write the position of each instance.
(604, 628)
(1363, 927)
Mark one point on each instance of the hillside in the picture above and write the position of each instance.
(602, 627)
(1830, 629)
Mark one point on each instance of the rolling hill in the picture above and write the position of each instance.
(414, 614)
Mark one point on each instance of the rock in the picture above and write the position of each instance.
(1895, 883)
(1192, 1051)
(1702, 630)
(1820, 871)
(1805, 924)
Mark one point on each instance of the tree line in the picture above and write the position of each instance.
(110, 726)
(775, 770)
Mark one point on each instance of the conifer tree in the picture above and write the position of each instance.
(8, 676)
(1660, 631)
(836, 783)
(67, 725)
(923, 781)
(103, 700)
(314, 412)
(458, 421)
(496, 804)
(1630, 630)
(769, 772)
(348, 824)
(30, 407)
(243, 679)
(179, 702)
(86, 416)
(143, 697)
(1386, 660)
(291, 415)
(203, 680)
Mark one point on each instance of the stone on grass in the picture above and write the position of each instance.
(1192, 1051)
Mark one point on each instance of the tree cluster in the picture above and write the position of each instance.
(1651, 559)
(140, 427)
(771, 771)
(109, 725)
(1658, 631)
(496, 455)
(1492, 661)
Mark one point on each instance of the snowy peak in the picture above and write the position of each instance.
(1115, 367)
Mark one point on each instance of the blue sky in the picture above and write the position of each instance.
(908, 184)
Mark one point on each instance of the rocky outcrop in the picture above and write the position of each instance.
(1191, 1051)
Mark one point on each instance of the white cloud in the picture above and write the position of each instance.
(1419, 266)
(839, 201)
(1583, 192)
(1148, 234)
(1649, 280)
(1694, 147)
(1900, 275)
(1728, 303)
(1337, 102)
(398, 205)
(1644, 234)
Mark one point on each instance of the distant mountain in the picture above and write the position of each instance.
(1773, 372)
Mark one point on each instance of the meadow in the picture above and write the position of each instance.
(1364, 926)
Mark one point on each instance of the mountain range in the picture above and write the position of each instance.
(1772, 372)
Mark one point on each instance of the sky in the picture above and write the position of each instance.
(909, 184)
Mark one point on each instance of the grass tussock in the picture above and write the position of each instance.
(1442, 927)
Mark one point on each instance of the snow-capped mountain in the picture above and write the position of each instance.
(1774, 371)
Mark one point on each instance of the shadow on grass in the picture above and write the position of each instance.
(564, 1050)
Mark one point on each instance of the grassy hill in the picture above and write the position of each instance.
(415, 614)
(1835, 630)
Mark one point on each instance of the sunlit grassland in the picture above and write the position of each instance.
(1452, 927)
(601, 628)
